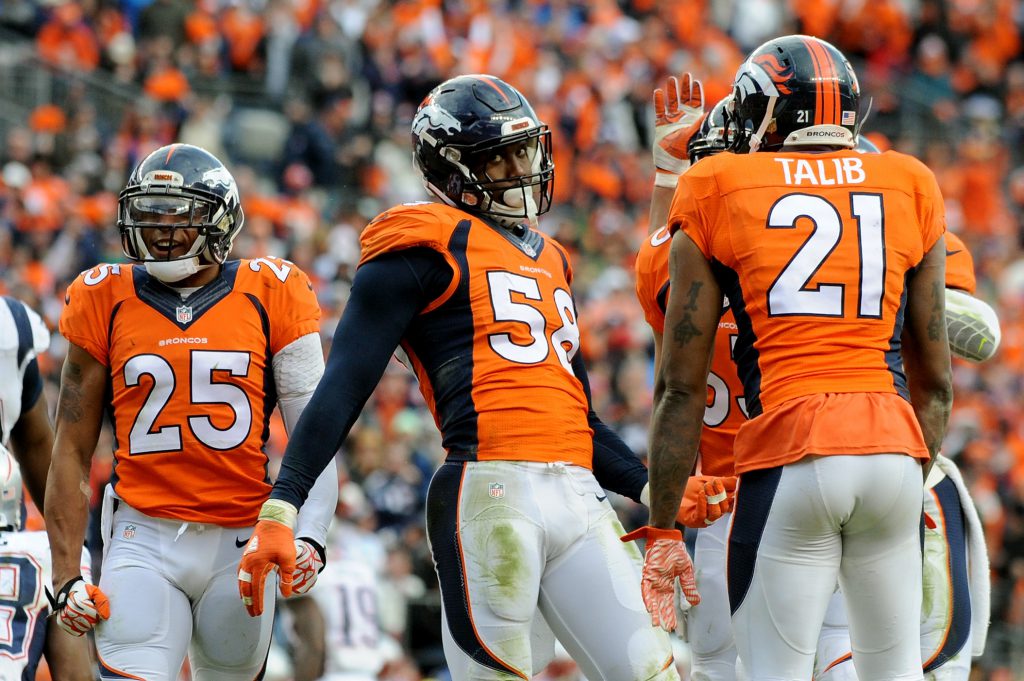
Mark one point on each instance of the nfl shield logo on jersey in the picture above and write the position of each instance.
(129, 532)
(496, 490)
(183, 314)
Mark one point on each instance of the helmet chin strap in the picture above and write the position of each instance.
(758, 137)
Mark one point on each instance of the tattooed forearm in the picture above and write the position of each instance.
(70, 404)
(674, 440)
(937, 320)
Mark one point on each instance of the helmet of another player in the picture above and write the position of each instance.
(12, 498)
(795, 90)
(714, 134)
(866, 146)
(179, 187)
(466, 122)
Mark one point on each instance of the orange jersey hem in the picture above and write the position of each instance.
(829, 424)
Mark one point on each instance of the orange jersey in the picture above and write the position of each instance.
(726, 408)
(192, 385)
(813, 252)
(507, 391)
(959, 265)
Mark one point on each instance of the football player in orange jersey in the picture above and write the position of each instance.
(708, 626)
(833, 264)
(955, 604)
(523, 538)
(26, 440)
(189, 352)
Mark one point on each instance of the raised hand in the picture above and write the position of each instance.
(678, 113)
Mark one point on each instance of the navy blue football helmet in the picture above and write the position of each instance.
(459, 126)
(715, 132)
(795, 90)
(194, 186)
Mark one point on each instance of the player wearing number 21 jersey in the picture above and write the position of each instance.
(188, 352)
(523, 538)
(833, 264)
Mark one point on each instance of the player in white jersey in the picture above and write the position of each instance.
(348, 595)
(25, 570)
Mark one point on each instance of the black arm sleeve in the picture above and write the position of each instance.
(616, 467)
(387, 294)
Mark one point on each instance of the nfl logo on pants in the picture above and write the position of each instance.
(183, 314)
(496, 490)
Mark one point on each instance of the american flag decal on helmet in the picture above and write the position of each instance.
(849, 118)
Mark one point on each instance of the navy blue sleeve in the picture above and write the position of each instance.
(387, 294)
(616, 467)
(31, 386)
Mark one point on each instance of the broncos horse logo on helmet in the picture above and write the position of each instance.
(192, 185)
(795, 90)
(463, 122)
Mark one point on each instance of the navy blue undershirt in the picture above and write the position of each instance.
(387, 294)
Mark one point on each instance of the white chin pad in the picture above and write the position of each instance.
(513, 198)
(174, 270)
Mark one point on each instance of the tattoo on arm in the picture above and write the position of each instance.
(685, 331)
(71, 393)
(937, 320)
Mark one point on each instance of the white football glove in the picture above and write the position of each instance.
(972, 326)
(678, 113)
(80, 606)
(308, 565)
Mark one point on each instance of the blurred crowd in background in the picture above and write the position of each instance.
(309, 103)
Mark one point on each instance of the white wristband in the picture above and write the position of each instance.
(666, 180)
(279, 511)
(645, 495)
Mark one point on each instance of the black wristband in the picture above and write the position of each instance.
(62, 595)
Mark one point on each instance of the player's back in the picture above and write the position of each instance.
(25, 573)
(348, 594)
(813, 250)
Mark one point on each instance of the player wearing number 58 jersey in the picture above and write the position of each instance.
(189, 353)
(833, 264)
(479, 300)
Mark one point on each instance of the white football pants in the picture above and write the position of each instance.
(173, 589)
(797, 529)
(513, 539)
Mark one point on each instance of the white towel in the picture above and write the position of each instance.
(977, 559)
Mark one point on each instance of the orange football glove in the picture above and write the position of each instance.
(665, 561)
(705, 500)
(271, 547)
(678, 113)
(80, 606)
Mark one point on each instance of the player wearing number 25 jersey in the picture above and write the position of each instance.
(522, 536)
(833, 264)
(189, 353)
